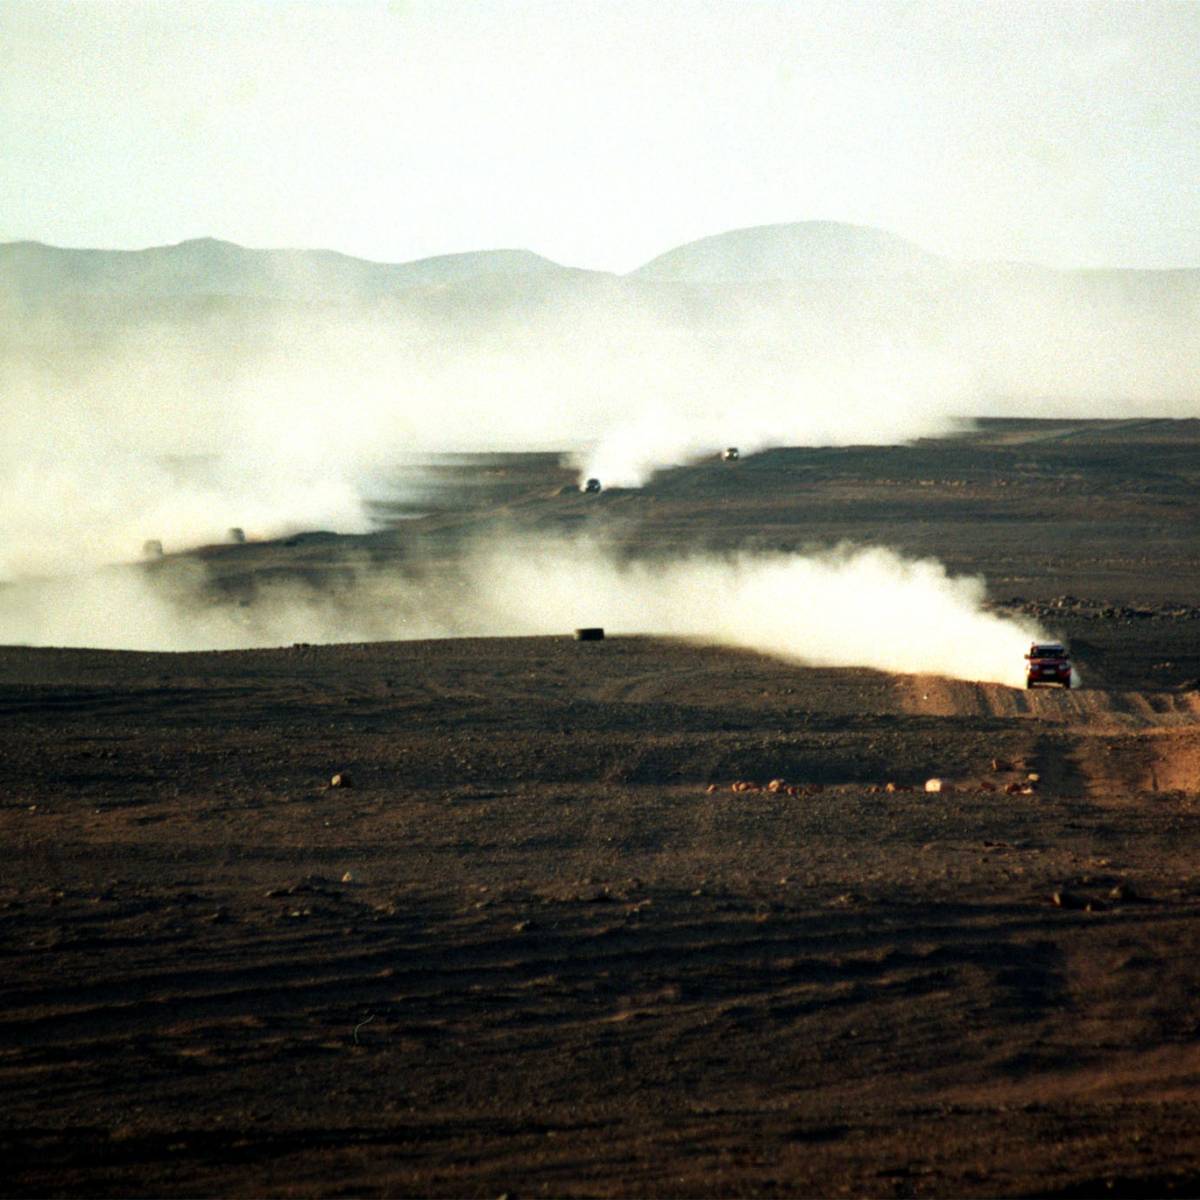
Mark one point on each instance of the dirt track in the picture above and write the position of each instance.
(530, 951)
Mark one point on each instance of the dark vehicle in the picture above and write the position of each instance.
(1047, 662)
(592, 485)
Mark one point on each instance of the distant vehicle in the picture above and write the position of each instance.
(592, 485)
(731, 454)
(1047, 662)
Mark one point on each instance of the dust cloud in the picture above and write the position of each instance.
(170, 413)
(848, 607)
(174, 416)
(118, 428)
(865, 607)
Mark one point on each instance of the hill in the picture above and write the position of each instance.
(793, 252)
(209, 267)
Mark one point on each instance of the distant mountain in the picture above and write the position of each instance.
(792, 253)
(208, 267)
(773, 299)
(815, 260)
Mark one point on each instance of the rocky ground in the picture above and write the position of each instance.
(554, 934)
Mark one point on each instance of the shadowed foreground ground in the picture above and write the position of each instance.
(559, 964)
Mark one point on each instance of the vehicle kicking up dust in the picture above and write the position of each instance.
(1049, 663)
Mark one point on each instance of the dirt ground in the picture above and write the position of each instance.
(539, 945)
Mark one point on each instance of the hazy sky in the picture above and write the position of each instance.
(602, 133)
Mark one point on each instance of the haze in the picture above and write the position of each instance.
(602, 133)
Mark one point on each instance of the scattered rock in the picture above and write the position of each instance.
(1068, 900)
(998, 764)
(341, 780)
(933, 785)
(1033, 777)
(348, 878)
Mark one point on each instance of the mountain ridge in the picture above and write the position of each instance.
(805, 253)
(212, 266)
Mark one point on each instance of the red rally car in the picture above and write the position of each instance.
(1047, 662)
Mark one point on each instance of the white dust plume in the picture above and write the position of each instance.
(849, 607)
(857, 607)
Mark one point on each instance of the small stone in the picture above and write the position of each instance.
(348, 878)
(341, 780)
(933, 785)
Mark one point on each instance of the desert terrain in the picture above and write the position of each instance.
(538, 944)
